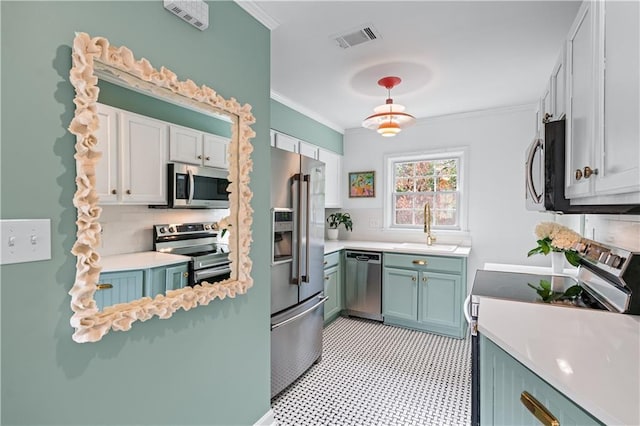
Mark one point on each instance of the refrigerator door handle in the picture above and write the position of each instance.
(297, 249)
(301, 314)
(305, 277)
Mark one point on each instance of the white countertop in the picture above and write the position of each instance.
(141, 260)
(593, 357)
(331, 246)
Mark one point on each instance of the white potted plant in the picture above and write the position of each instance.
(334, 220)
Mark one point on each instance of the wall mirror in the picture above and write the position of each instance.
(94, 59)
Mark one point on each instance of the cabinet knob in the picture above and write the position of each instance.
(424, 279)
(588, 171)
(578, 174)
(114, 192)
(207, 158)
(419, 262)
(128, 192)
(185, 274)
(326, 277)
(413, 278)
(325, 262)
(104, 286)
(199, 157)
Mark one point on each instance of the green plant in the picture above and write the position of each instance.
(558, 238)
(335, 219)
(548, 295)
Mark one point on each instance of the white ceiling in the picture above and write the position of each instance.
(453, 56)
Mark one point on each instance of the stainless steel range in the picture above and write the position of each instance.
(209, 258)
(608, 279)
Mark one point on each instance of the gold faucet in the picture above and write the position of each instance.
(427, 224)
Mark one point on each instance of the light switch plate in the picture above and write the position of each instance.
(25, 240)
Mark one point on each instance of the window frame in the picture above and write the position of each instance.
(459, 153)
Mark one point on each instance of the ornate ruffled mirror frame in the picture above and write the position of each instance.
(93, 57)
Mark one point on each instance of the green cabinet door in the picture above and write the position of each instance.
(440, 308)
(504, 381)
(399, 295)
(332, 287)
(118, 287)
(177, 277)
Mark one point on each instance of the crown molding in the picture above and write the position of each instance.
(252, 8)
(305, 111)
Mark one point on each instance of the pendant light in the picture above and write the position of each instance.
(388, 119)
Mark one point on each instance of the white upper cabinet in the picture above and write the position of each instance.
(195, 147)
(603, 148)
(215, 151)
(291, 144)
(133, 166)
(559, 87)
(144, 146)
(581, 106)
(618, 147)
(107, 181)
(332, 175)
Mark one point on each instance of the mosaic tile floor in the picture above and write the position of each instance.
(374, 374)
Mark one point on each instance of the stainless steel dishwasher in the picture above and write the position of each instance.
(363, 284)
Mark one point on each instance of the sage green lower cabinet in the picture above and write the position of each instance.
(333, 286)
(165, 278)
(504, 381)
(118, 287)
(424, 292)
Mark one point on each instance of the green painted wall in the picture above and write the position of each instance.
(291, 122)
(206, 366)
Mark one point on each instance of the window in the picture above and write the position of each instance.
(417, 179)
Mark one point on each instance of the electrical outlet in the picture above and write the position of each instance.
(25, 240)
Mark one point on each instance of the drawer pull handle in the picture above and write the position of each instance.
(539, 411)
(104, 286)
(419, 262)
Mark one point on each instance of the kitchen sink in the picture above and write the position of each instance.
(424, 247)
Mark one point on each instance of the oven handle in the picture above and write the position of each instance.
(467, 309)
(208, 273)
(536, 145)
(190, 174)
(301, 314)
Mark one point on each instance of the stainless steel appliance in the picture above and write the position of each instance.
(609, 278)
(209, 258)
(297, 276)
(545, 176)
(363, 284)
(193, 187)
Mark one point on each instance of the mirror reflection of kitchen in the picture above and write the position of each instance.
(146, 129)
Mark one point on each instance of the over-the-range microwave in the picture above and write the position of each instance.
(192, 187)
(545, 177)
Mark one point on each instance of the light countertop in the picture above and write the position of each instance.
(141, 260)
(590, 356)
(415, 248)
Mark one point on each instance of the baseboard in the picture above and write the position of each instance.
(269, 419)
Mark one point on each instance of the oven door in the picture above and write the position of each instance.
(197, 187)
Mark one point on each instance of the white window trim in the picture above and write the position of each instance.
(461, 152)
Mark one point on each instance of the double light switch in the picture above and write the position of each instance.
(25, 240)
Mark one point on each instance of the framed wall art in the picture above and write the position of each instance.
(362, 184)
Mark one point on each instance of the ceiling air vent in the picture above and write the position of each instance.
(195, 12)
(363, 34)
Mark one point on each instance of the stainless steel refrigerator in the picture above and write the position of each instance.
(297, 275)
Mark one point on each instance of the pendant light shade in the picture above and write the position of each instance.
(389, 119)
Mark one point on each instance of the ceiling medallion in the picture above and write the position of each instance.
(389, 119)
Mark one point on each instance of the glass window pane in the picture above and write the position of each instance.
(447, 183)
(445, 217)
(404, 169)
(420, 200)
(404, 185)
(424, 168)
(446, 201)
(424, 184)
(403, 202)
(404, 217)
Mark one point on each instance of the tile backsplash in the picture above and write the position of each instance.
(129, 229)
(617, 230)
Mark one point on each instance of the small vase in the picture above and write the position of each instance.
(332, 234)
(557, 262)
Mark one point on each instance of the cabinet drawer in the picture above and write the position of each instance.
(438, 263)
(331, 259)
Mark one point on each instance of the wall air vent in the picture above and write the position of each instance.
(362, 34)
(195, 12)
